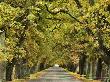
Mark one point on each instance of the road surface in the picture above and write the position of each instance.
(56, 74)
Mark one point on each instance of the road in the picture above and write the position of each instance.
(55, 74)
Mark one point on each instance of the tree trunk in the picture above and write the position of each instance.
(2, 71)
(45, 65)
(99, 68)
(41, 67)
(38, 66)
(82, 64)
(91, 69)
(14, 73)
(88, 69)
(18, 71)
(71, 67)
(32, 70)
(108, 79)
(9, 71)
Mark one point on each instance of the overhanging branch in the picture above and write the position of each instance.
(61, 10)
(56, 12)
(54, 19)
(73, 17)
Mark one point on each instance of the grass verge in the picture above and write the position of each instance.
(82, 78)
(32, 76)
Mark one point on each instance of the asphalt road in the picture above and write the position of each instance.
(56, 74)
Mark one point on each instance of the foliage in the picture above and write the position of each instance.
(50, 32)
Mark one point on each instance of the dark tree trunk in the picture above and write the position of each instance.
(63, 66)
(88, 70)
(99, 69)
(70, 66)
(104, 51)
(9, 69)
(73, 68)
(18, 71)
(82, 64)
(41, 66)
(32, 70)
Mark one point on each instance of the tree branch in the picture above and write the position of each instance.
(61, 10)
(78, 3)
(74, 18)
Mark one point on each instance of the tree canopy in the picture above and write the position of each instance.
(55, 31)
